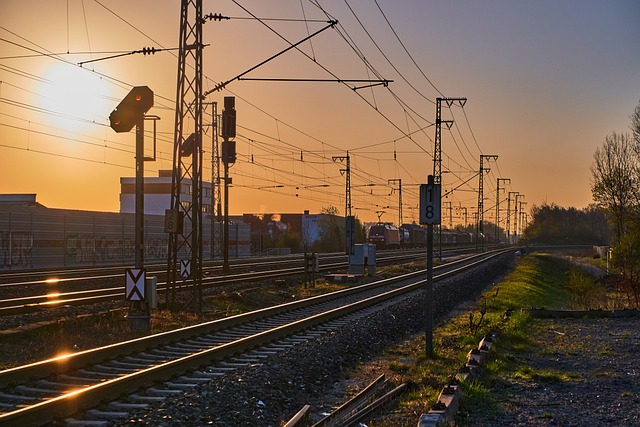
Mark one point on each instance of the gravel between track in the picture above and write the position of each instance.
(600, 386)
(274, 392)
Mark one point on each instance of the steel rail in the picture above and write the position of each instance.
(20, 305)
(367, 394)
(70, 275)
(76, 360)
(71, 402)
(26, 277)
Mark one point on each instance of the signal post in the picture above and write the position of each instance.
(129, 113)
(430, 214)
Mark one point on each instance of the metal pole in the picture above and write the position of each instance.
(139, 240)
(429, 313)
(225, 244)
(497, 232)
(429, 303)
(509, 215)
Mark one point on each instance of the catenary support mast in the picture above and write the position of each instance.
(184, 255)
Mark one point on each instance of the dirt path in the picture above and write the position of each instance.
(581, 372)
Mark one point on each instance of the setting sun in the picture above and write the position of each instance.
(72, 97)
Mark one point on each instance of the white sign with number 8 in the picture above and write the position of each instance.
(430, 201)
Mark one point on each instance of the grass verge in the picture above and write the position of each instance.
(538, 280)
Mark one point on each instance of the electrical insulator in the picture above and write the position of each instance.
(214, 17)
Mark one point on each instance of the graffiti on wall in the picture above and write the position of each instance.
(48, 239)
(88, 249)
(15, 248)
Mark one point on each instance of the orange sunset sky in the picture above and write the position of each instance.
(546, 81)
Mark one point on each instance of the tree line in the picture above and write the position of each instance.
(614, 218)
(615, 186)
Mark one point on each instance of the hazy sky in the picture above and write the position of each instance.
(546, 81)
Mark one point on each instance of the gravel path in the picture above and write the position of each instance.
(588, 375)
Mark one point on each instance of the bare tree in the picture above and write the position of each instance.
(635, 126)
(615, 179)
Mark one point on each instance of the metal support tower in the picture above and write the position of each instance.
(524, 219)
(480, 228)
(217, 193)
(521, 224)
(466, 219)
(509, 215)
(185, 247)
(399, 181)
(437, 149)
(516, 217)
(497, 235)
(450, 214)
(216, 199)
(347, 173)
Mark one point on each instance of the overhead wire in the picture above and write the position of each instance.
(406, 134)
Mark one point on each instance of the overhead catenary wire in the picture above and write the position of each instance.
(296, 148)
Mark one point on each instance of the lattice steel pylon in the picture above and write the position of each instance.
(437, 148)
(184, 254)
(399, 182)
(480, 227)
(347, 173)
(216, 198)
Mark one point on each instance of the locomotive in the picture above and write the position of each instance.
(384, 235)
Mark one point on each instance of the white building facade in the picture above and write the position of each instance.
(157, 194)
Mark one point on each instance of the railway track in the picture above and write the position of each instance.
(38, 393)
(259, 269)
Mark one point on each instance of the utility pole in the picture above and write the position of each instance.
(516, 217)
(509, 215)
(437, 150)
(464, 208)
(399, 181)
(186, 240)
(349, 220)
(522, 215)
(480, 228)
(450, 214)
(347, 173)
(505, 180)
(216, 199)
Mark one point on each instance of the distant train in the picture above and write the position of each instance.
(384, 235)
(387, 235)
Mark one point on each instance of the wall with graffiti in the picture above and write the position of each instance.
(43, 238)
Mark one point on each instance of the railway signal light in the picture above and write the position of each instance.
(229, 152)
(187, 146)
(131, 109)
(229, 117)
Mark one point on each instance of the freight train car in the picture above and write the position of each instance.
(415, 236)
(456, 237)
(384, 235)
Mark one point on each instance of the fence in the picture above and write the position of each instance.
(43, 238)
